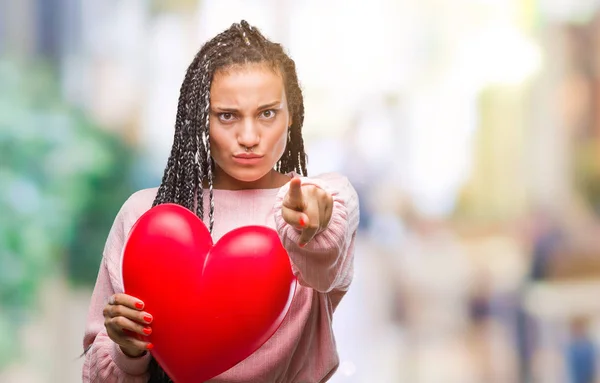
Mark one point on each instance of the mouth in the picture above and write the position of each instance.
(247, 159)
(247, 156)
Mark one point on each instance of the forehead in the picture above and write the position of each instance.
(246, 80)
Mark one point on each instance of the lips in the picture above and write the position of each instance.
(247, 156)
(247, 159)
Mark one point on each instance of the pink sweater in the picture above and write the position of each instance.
(303, 350)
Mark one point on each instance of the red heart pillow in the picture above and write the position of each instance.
(213, 306)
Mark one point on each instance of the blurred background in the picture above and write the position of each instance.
(470, 129)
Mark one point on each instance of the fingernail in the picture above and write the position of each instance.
(302, 222)
(139, 305)
(149, 346)
(147, 330)
(148, 318)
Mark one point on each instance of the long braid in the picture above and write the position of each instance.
(294, 157)
(196, 173)
(183, 121)
(199, 175)
(204, 136)
(190, 165)
(165, 192)
(210, 185)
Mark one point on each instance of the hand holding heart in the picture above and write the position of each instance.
(307, 208)
(123, 319)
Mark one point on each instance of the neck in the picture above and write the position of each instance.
(224, 181)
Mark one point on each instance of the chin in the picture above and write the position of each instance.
(248, 175)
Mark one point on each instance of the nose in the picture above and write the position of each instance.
(248, 135)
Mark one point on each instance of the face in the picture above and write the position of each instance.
(249, 120)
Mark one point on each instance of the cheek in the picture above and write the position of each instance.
(217, 141)
(279, 145)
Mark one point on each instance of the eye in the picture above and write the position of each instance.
(226, 117)
(268, 114)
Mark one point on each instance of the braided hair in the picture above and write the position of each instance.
(190, 165)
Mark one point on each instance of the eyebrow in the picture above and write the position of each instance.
(233, 110)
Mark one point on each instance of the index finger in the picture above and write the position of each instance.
(127, 301)
(295, 193)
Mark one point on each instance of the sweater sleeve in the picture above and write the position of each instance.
(326, 262)
(104, 360)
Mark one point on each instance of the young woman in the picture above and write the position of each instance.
(238, 159)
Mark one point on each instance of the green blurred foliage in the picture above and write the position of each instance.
(63, 180)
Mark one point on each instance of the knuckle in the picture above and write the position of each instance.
(131, 337)
(137, 344)
(117, 311)
(130, 342)
(119, 321)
